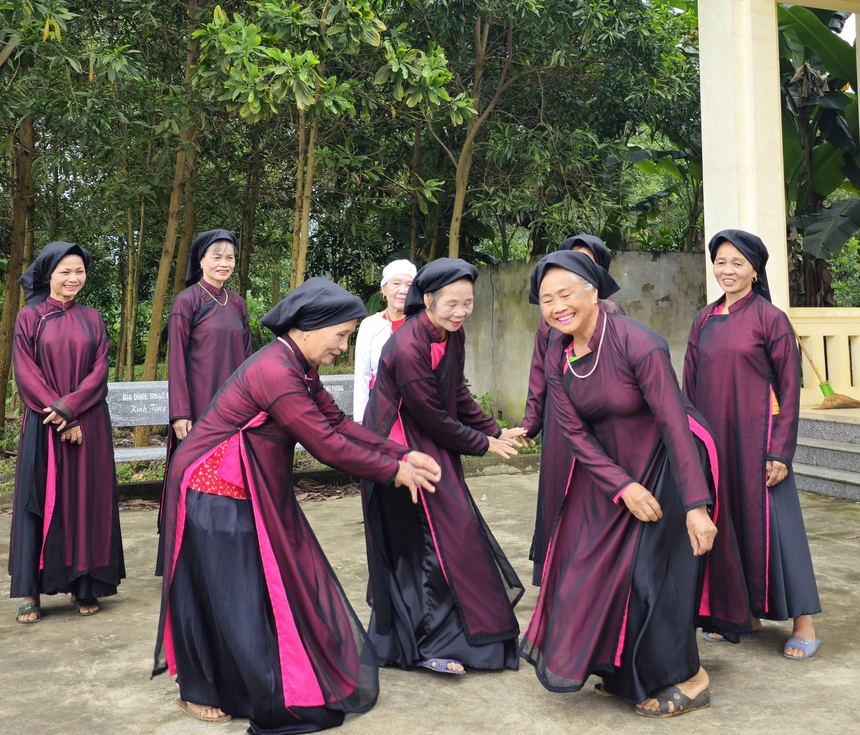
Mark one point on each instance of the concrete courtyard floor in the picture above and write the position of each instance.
(76, 675)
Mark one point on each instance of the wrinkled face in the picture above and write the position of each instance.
(324, 345)
(450, 306)
(732, 270)
(565, 303)
(68, 278)
(395, 291)
(218, 262)
(585, 251)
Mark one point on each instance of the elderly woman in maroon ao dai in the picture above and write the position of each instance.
(623, 590)
(441, 589)
(253, 620)
(540, 415)
(742, 371)
(65, 521)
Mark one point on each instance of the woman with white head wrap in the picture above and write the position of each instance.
(376, 329)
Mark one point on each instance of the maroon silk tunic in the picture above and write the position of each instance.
(735, 363)
(621, 597)
(556, 454)
(207, 343)
(66, 520)
(420, 387)
(272, 402)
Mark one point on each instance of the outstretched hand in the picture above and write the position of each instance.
(421, 461)
(701, 529)
(415, 479)
(641, 503)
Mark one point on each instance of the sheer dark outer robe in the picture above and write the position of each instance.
(207, 343)
(303, 661)
(65, 524)
(556, 454)
(440, 586)
(733, 362)
(620, 597)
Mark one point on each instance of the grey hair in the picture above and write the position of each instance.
(587, 285)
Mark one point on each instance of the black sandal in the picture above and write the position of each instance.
(680, 702)
(87, 602)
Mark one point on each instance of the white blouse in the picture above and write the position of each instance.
(372, 336)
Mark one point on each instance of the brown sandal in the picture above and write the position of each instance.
(186, 708)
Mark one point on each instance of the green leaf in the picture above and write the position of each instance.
(824, 234)
(835, 54)
(827, 163)
(791, 150)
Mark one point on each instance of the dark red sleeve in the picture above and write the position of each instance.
(659, 385)
(536, 401)
(691, 361)
(297, 412)
(353, 431)
(31, 383)
(785, 360)
(607, 476)
(178, 338)
(93, 388)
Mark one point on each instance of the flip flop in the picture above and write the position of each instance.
(187, 710)
(440, 665)
(87, 602)
(709, 637)
(680, 701)
(809, 648)
(25, 609)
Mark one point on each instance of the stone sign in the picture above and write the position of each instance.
(138, 404)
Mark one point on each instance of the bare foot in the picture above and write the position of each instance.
(691, 688)
(754, 622)
(202, 712)
(803, 628)
(451, 666)
(29, 617)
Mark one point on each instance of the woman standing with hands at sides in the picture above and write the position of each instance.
(441, 589)
(208, 334)
(540, 417)
(254, 622)
(65, 518)
(635, 563)
(742, 371)
(377, 328)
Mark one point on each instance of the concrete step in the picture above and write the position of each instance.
(837, 455)
(829, 425)
(826, 481)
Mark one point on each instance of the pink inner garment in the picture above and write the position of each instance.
(50, 495)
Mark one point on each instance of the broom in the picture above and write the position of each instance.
(832, 399)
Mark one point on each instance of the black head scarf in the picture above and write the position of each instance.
(435, 275)
(317, 303)
(198, 249)
(574, 262)
(752, 248)
(602, 254)
(36, 280)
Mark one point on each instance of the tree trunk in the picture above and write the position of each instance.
(416, 160)
(121, 350)
(249, 216)
(186, 137)
(437, 231)
(297, 216)
(134, 295)
(22, 204)
(189, 225)
(306, 203)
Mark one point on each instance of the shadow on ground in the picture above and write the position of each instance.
(71, 675)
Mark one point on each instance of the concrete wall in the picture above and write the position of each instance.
(662, 290)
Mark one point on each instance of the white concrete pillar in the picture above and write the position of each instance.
(742, 129)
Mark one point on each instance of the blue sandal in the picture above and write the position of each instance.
(440, 665)
(809, 648)
(25, 609)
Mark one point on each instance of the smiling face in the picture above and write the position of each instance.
(451, 305)
(395, 291)
(68, 278)
(218, 262)
(324, 345)
(733, 271)
(566, 304)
